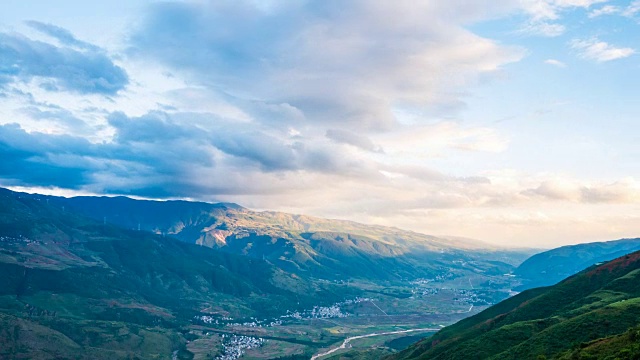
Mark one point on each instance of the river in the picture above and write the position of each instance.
(347, 340)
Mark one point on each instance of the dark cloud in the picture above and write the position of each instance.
(275, 154)
(26, 159)
(157, 155)
(152, 128)
(147, 167)
(63, 68)
(269, 152)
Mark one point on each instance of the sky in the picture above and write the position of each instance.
(509, 121)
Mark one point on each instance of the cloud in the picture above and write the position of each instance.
(544, 28)
(198, 155)
(60, 68)
(153, 127)
(624, 191)
(158, 155)
(545, 14)
(25, 160)
(543, 10)
(600, 51)
(619, 192)
(64, 36)
(347, 137)
(144, 168)
(633, 9)
(435, 139)
(352, 109)
(163, 155)
(556, 190)
(346, 64)
(605, 10)
(555, 62)
(57, 116)
(630, 11)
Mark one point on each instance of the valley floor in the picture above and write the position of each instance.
(389, 319)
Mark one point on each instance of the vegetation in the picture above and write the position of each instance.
(586, 316)
(78, 286)
(73, 287)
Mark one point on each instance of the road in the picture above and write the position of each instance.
(348, 340)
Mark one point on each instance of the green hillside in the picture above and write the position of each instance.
(587, 316)
(73, 287)
(80, 287)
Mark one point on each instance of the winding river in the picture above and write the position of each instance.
(348, 340)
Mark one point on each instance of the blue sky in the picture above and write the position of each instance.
(512, 121)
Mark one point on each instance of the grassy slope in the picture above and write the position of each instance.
(624, 346)
(71, 287)
(600, 302)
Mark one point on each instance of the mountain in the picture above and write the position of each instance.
(322, 248)
(550, 267)
(104, 278)
(592, 315)
(72, 287)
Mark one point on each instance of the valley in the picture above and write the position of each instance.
(383, 311)
(102, 286)
(275, 286)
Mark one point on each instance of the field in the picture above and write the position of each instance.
(397, 307)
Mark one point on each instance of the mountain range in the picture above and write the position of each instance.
(113, 277)
(322, 248)
(74, 287)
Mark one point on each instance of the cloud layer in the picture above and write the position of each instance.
(74, 66)
(345, 63)
(368, 110)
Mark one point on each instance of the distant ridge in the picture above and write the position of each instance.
(323, 248)
(552, 266)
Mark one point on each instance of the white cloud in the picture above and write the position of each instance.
(545, 29)
(555, 62)
(420, 142)
(605, 10)
(543, 10)
(348, 64)
(545, 14)
(600, 51)
(632, 9)
(558, 188)
(577, 3)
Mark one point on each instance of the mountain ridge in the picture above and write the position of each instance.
(297, 221)
(331, 249)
